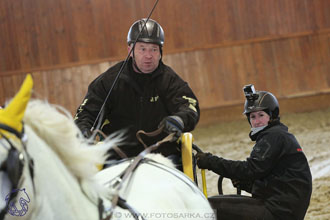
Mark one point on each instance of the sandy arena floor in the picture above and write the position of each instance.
(231, 141)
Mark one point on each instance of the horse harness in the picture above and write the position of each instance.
(14, 164)
(119, 181)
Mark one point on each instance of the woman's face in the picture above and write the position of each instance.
(259, 119)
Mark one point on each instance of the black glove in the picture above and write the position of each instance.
(87, 133)
(203, 159)
(172, 124)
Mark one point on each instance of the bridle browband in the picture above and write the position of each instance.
(11, 130)
(14, 164)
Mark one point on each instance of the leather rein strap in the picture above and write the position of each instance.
(152, 134)
(148, 150)
(117, 200)
(115, 148)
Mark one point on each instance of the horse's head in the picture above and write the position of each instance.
(12, 156)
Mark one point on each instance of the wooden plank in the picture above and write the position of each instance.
(2, 92)
(40, 90)
(53, 34)
(11, 86)
(288, 105)
(64, 46)
(248, 43)
(9, 54)
(318, 13)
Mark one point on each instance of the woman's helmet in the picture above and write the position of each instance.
(152, 32)
(260, 101)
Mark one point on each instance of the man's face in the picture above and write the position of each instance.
(147, 56)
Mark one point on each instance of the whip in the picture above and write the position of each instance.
(120, 71)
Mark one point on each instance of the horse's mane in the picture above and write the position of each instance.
(56, 127)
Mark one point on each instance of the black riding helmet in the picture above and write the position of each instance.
(152, 32)
(260, 101)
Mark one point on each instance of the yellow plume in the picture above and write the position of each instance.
(13, 114)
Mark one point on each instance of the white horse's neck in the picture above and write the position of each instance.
(62, 135)
(58, 194)
(63, 164)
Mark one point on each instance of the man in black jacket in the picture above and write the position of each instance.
(276, 173)
(148, 94)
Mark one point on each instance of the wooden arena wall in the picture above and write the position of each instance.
(218, 46)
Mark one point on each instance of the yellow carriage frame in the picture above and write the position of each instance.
(187, 159)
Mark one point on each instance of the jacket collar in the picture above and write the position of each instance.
(270, 125)
(128, 75)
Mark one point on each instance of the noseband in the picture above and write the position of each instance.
(14, 164)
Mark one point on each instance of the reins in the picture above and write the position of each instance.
(152, 134)
(115, 148)
(138, 136)
(119, 181)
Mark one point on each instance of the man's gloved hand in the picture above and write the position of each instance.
(87, 133)
(203, 159)
(172, 124)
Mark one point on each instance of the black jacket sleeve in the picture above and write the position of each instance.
(260, 162)
(180, 99)
(89, 109)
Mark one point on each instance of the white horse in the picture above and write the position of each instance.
(60, 179)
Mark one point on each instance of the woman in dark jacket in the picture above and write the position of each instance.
(276, 173)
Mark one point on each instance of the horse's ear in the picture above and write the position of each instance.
(13, 114)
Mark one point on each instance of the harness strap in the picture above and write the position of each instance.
(115, 148)
(15, 163)
(150, 134)
(123, 204)
(139, 158)
(130, 169)
(4, 212)
(11, 130)
(119, 152)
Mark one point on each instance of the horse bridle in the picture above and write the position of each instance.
(14, 163)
